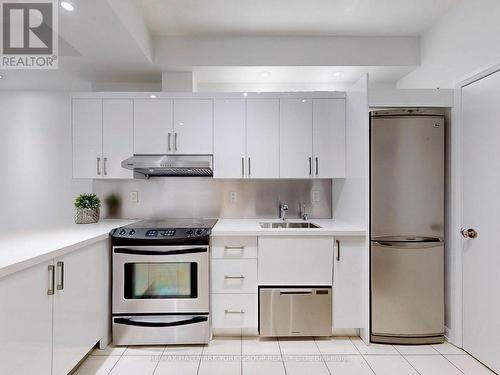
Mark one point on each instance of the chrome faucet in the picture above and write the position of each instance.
(303, 213)
(283, 211)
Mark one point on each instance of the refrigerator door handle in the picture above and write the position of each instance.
(409, 245)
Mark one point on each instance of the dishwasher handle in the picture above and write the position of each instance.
(296, 291)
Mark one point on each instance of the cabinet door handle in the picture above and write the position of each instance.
(168, 141)
(60, 275)
(234, 311)
(50, 290)
(234, 247)
(249, 168)
(338, 250)
(310, 166)
(104, 161)
(242, 167)
(98, 166)
(317, 165)
(227, 277)
(175, 141)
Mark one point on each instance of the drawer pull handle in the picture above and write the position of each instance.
(234, 277)
(234, 311)
(234, 247)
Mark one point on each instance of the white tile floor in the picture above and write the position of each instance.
(254, 356)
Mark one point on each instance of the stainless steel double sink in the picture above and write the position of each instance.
(288, 225)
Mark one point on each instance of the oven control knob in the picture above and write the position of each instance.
(122, 232)
(189, 232)
(132, 232)
(199, 232)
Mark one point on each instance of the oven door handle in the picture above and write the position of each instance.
(159, 252)
(137, 323)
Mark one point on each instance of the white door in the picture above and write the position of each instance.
(79, 309)
(87, 138)
(117, 136)
(153, 126)
(26, 322)
(193, 126)
(348, 282)
(229, 138)
(329, 138)
(263, 122)
(481, 205)
(296, 159)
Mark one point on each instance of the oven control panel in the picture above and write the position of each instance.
(151, 233)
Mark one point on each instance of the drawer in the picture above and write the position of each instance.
(234, 247)
(234, 310)
(234, 276)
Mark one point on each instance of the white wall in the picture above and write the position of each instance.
(36, 189)
(462, 42)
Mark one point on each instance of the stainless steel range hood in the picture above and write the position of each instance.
(145, 166)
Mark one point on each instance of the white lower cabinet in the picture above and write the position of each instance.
(52, 314)
(295, 260)
(234, 284)
(348, 282)
(231, 311)
(80, 309)
(26, 322)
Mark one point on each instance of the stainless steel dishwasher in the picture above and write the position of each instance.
(295, 311)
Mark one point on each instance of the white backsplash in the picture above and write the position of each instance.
(178, 197)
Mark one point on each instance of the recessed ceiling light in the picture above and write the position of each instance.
(337, 74)
(153, 96)
(66, 5)
(245, 94)
(264, 74)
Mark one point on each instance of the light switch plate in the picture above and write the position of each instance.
(134, 196)
(315, 196)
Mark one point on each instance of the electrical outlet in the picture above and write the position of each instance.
(233, 196)
(315, 196)
(134, 196)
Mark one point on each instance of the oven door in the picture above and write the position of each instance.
(160, 279)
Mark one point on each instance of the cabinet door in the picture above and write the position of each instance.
(295, 260)
(87, 138)
(347, 282)
(81, 304)
(26, 322)
(117, 136)
(263, 138)
(193, 126)
(329, 138)
(153, 122)
(296, 138)
(229, 138)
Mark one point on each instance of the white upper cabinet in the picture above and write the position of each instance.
(229, 138)
(118, 137)
(193, 126)
(102, 137)
(87, 138)
(153, 126)
(329, 138)
(296, 138)
(263, 129)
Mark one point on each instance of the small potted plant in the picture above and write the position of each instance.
(87, 209)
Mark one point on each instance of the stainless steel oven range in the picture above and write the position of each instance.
(161, 282)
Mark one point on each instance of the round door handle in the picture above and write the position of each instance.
(468, 233)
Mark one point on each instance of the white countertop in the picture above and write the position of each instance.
(251, 227)
(23, 249)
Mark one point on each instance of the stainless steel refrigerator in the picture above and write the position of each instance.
(407, 226)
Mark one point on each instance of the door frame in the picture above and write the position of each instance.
(455, 241)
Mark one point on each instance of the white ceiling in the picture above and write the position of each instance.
(296, 74)
(292, 17)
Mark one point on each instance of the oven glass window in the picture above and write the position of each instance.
(160, 280)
